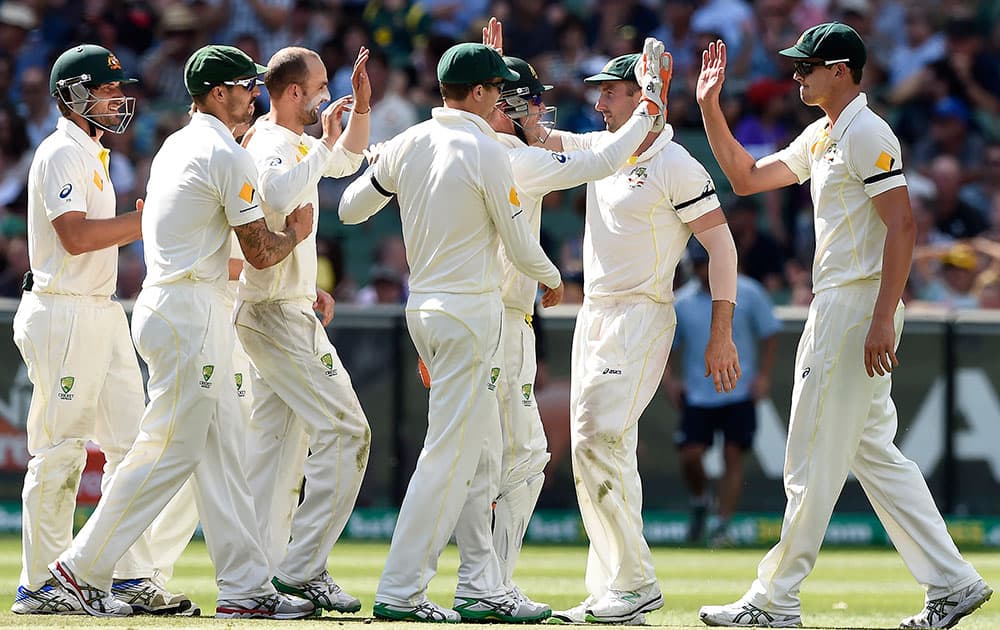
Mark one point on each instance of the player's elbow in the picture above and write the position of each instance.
(75, 244)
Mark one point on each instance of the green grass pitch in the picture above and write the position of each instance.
(849, 588)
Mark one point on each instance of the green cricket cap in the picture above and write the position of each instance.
(473, 63)
(829, 41)
(528, 81)
(211, 65)
(618, 69)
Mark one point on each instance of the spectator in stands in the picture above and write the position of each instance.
(729, 19)
(392, 110)
(397, 27)
(951, 133)
(37, 106)
(987, 289)
(163, 64)
(953, 287)
(980, 193)
(15, 267)
(15, 159)
(385, 286)
(953, 216)
(760, 256)
(970, 72)
(18, 39)
(263, 18)
(921, 47)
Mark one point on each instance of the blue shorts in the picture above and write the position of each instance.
(737, 421)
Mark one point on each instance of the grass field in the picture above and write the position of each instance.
(848, 589)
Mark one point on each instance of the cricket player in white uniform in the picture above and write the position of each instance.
(638, 223)
(456, 196)
(82, 391)
(299, 382)
(519, 123)
(201, 184)
(842, 416)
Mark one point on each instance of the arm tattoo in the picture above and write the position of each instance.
(262, 247)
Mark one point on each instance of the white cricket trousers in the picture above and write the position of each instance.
(525, 449)
(191, 429)
(87, 386)
(172, 535)
(844, 421)
(620, 348)
(301, 388)
(458, 337)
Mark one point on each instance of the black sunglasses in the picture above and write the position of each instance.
(805, 68)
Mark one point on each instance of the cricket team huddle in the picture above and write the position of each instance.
(248, 399)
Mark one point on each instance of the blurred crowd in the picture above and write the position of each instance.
(933, 72)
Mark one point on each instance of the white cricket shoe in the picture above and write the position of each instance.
(147, 597)
(743, 615)
(276, 606)
(50, 599)
(426, 611)
(93, 600)
(620, 606)
(511, 607)
(323, 592)
(577, 616)
(946, 611)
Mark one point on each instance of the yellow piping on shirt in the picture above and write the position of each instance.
(850, 226)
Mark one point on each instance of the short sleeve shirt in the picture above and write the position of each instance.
(69, 174)
(636, 223)
(847, 164)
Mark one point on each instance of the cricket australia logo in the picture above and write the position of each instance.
(494, 375)
(242, 393)
(66, 385)
(526, 393)
(206, 376)
(637, 177)
(327, 360)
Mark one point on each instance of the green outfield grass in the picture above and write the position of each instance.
(849, 588)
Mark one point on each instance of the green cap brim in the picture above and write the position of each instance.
(260, 69)
(600, 77)
(794, 53)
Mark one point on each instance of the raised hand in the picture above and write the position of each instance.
(653, 73)
(330, 119)
(493, 35)
(713, 72)
(360, 84)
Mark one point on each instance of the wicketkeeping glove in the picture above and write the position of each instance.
(653, 72)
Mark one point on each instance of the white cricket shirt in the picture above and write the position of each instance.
(68, 174)
(456, 196)
(848, 164)
(201, 182)
(636, 223)
(289, 167)
(538, 172)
